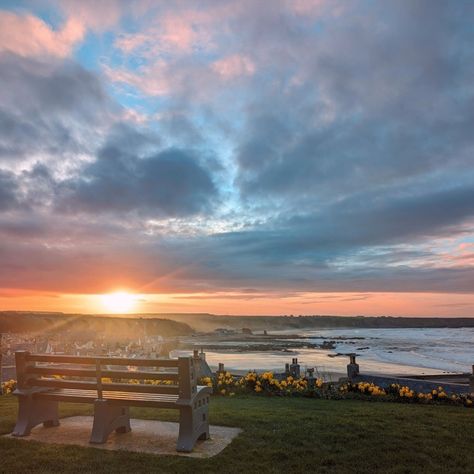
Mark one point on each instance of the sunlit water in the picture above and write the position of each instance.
(390, 351)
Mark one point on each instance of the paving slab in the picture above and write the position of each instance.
(147, 436)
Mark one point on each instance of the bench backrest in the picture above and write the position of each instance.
(86, 372)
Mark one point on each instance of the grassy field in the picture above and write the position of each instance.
(279, 435)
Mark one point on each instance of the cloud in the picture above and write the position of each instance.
(234, 66)
(170, 182)
(99, 16)
(176, 29)
(341, 138)
(151, 80)
(49, 109)
(183, 265)
(27, 35)
(169, 47)
(8, 191)
(357, 114)
(64, 149)
(350, 242)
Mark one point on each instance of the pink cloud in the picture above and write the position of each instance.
(130, 42)
(28, 35)
(316, 8)
(172, 32)
(466, 247)
(304, 7)
(233, 66)
(460, 255)
(178, 32)
(132, 115)
(150, 80)
(99, 15)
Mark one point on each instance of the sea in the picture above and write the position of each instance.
(410, 351)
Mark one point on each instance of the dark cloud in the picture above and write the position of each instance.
(49, 107)
(215, 267)
(376, 96)
(8, 191)
(168, 183)
(367, 219)
(15, 227)
(356, 223)
(198, 265)
(55, 114)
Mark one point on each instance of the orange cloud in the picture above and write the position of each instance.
(343, 304)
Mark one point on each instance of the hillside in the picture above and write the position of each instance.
(18, 322)
(209, 322)
(174, 324)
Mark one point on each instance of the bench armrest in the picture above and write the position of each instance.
(202, 390)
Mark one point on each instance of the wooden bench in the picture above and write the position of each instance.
(40, 388)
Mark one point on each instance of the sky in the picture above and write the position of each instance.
(238, 157)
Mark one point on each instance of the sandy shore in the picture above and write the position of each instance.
(242, 352)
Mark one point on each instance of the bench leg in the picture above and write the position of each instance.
(193, 425)
(32, 412)
(107, 418)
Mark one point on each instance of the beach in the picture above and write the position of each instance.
(413, 351)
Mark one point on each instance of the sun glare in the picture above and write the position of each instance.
(119, 302)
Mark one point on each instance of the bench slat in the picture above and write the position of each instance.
(126, 387)
(122, 398)
(141, 388)
(90, 360)
(61, 371)
(113, 374)
(112, 394)
(117, 374)
(57, 383)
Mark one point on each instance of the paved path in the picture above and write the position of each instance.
(147, 436)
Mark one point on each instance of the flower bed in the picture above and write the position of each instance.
(225, 384)
(399, 393)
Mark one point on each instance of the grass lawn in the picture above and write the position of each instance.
(279, 435)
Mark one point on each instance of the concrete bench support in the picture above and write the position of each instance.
(193, 425)
(107, 418)
(32, 412)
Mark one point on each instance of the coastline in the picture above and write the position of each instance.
(406, 352)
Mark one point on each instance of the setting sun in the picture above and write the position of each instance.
(119, 302)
